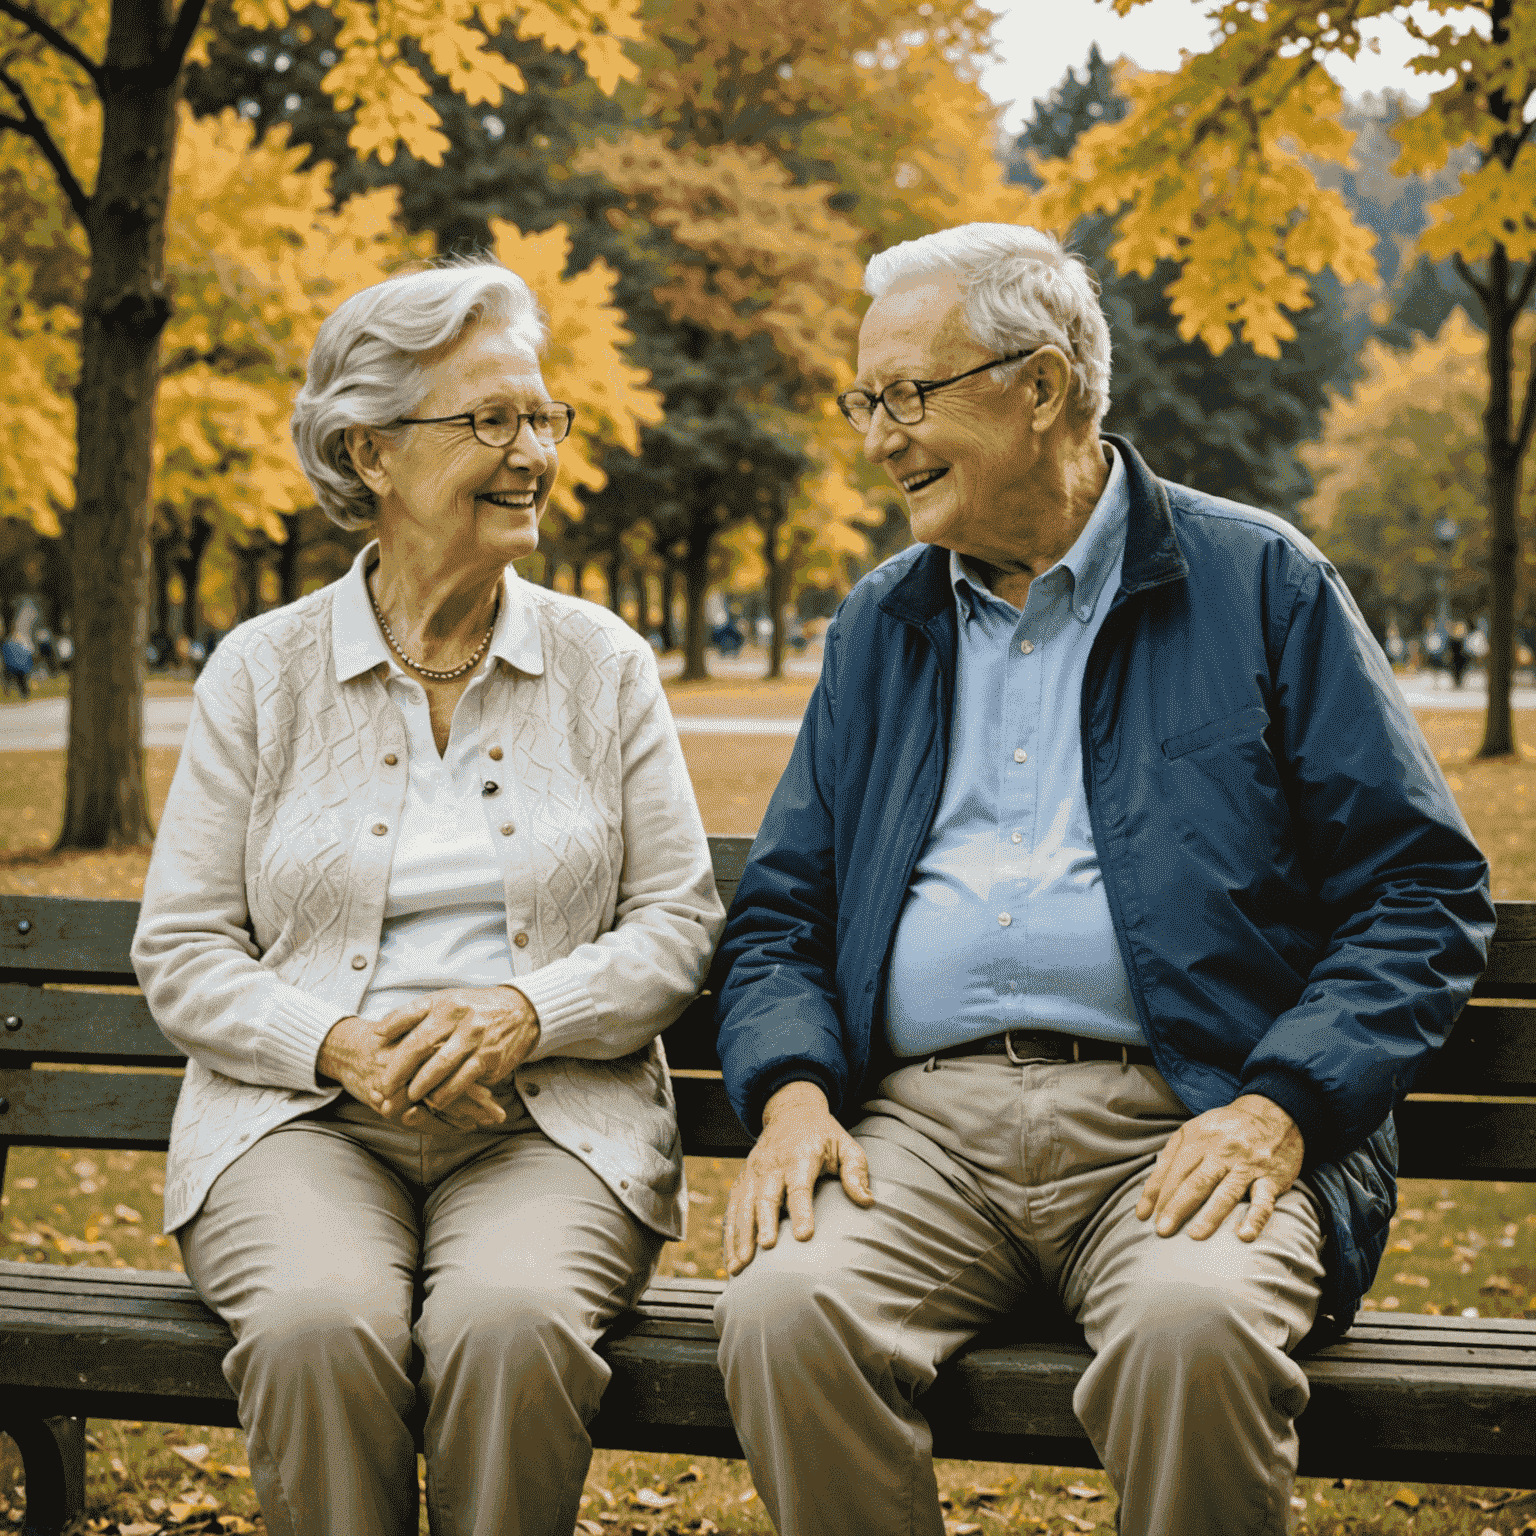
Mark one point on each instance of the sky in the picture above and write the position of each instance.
(1039, 40)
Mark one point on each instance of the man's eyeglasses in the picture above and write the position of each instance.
(905, 399)
(496, 426)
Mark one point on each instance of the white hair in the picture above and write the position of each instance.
(1021, 289)
(366, 367)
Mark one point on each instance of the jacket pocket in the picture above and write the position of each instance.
(1248, 721)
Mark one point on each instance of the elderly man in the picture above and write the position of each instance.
(1110, 902)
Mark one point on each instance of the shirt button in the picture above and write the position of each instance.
(1026, 646)
(379, 829)
(1020, 755)
(1003, 920)
(390, 759)
(623, 1183)
(521, 941)
(359, 962)
(1018, 837)
(506, 829)
(494, 753)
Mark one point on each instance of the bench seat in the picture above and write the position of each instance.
(1401, 1396)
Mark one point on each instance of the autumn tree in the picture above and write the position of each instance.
(93, 90)
(1401, 451)
(1212, 170)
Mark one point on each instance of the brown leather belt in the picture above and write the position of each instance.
(1021, 1045)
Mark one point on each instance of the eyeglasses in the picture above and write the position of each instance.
(497, 427)
(905, 400)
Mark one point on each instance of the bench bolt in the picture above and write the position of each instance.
(13, 1022)
(24, 926)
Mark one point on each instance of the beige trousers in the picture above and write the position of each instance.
(998, 1188)
(360, 1264)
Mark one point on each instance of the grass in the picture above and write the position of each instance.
(1454, 1247)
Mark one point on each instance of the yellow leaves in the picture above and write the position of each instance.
(37, 415)
(585, 363)
(767, 256)
(1494, 206)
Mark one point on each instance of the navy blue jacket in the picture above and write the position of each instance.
(1300, 907)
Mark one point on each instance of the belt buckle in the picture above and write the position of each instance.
(1020, 1061)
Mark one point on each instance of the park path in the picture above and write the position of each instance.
(42, 725)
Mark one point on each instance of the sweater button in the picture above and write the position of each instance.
(1003, 919)
(586, 1146)
(359, 962)
(494, 753)
(521, 941)
(379, 829)
(390, 759)
(506, 829)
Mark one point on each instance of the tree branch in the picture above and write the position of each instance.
(51, 35)
(31, 126)
(1469, 277)
(187, 18)
(1527, 286)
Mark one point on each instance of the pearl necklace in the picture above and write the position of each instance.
(415, 666)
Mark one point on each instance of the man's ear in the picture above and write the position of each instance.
(363, 448)
(1051, 375)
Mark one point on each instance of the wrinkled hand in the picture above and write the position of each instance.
(460, 1043)
(801, 1141)
(1250, 1148)
(354, 1052)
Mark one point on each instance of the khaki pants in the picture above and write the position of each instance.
(999, 1187)
(359, 1264)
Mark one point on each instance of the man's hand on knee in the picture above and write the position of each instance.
(801, 1141)
(1249, 1149)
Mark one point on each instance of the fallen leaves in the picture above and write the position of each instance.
(1405, 1498)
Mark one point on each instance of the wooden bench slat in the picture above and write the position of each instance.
(101, 1028)
(1459, 1140)
(88, 1109)
(81, 939)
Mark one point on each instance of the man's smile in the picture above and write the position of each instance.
(913, 483)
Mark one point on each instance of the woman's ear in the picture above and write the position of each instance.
(363, 448)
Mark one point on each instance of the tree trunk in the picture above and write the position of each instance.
(643, 600)
(668, 600)
(125, 311)
(778, 580)
(249, 559)
(160, 566)
(1503, 501)
(696, 590)
(288, 557)
(190, 568)
(613, 571)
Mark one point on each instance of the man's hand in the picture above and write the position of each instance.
(1250, 1148)
(801, 1141)
(352, 1055)
(460, 1043)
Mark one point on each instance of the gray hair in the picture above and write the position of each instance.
(1021, 290)
(366, 367)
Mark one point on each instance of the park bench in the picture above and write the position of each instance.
(1409, 1397)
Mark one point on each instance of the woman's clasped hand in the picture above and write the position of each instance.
(435, 1058)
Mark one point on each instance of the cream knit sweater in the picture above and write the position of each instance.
(265, 896)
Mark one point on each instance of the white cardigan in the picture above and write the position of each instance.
(264, 901)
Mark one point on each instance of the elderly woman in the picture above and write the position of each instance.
(429, 884)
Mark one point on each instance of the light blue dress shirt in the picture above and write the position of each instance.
(1006, 925)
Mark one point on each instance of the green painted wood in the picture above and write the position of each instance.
(709, 1124)
(67, 939)
(1491, 1050)
(88, 1109)
(110, 1028)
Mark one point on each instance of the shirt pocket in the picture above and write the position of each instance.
(1248, 722)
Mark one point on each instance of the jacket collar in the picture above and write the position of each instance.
(358, 645)
(1152, 552)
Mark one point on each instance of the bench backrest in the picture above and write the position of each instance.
(68, 999)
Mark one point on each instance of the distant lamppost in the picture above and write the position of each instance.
(1446, 534)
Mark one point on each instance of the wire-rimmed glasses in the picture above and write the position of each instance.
(905, 400)
(497, 427)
